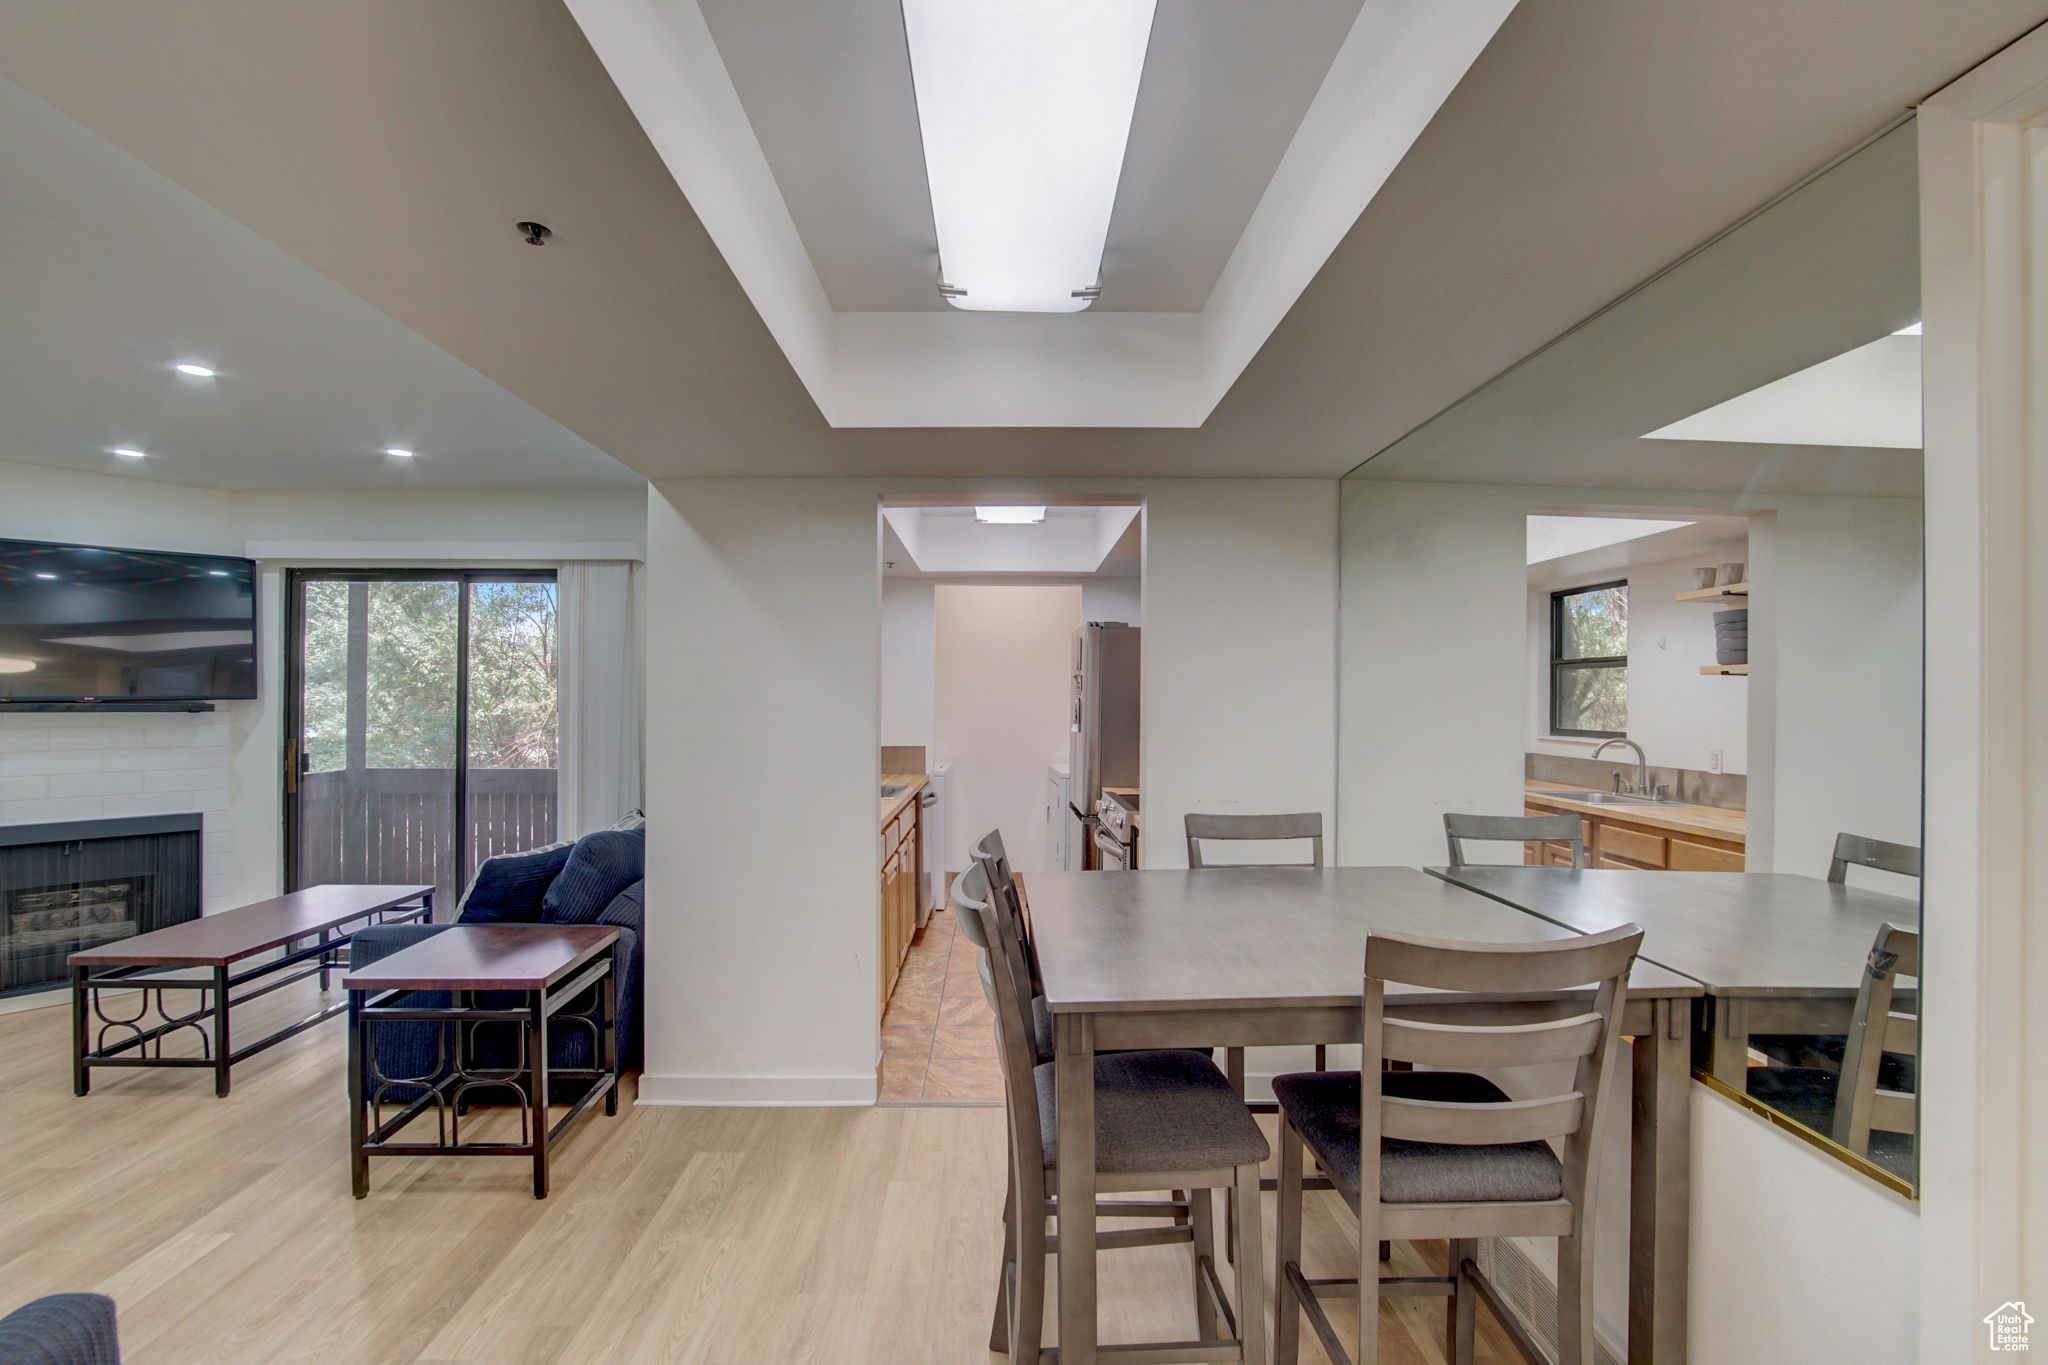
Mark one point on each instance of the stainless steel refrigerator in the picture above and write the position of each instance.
(1102, 722)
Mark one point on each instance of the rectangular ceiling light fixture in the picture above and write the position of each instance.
(1025, 109)
(1010, 516)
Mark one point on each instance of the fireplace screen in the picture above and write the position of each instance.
(61, 895)
(76, 916)
(47, 924)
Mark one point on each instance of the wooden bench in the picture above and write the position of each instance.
(208, 950)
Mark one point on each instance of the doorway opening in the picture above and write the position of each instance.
(1011, 645)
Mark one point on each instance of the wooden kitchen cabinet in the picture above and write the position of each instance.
(1614, 840)
(902, 855)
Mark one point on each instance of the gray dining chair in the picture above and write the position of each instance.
(991, 851)
(1514, 829)
(1164, 1119)
(1854, 850)
(1446, 1153)
(1878, 1028)
(971, 890)
(1867, 1103)
(1256, 828)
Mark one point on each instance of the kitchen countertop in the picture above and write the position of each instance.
(912, 784)
(1712, 822)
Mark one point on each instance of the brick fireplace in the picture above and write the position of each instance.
(74, 883)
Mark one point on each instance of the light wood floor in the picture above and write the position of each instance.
(225, 1230)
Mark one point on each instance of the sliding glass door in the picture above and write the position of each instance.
(422, 735)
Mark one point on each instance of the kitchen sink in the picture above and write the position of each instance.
(889, 790)
(1607, 798)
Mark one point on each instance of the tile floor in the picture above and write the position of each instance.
(938, 1038)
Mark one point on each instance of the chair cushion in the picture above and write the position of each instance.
(508, 888)
(632, 819)
(600, 866)
(1323, 1107)
(1158, 1111)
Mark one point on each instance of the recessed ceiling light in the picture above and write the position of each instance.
(1024, 108)
(46, 575)
(131, 452)
(196, 371)
(1010, 516)
(400, 451)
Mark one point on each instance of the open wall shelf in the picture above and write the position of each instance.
(1725, 670)
(1727, 592)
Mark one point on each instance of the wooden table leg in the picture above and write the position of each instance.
(222, 1041)
(358, 1113)
(1728, 1043)
(537, 1041)
(1660, 1186)
(1074, 1089)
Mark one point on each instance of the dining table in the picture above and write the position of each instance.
(1250, 957)
(1777, 953)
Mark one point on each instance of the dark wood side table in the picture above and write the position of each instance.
(217, 945)
(549, 965)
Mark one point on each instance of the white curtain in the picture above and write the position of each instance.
(598, 696)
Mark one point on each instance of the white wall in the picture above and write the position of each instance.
(907, 646)
(907, 659)
(1835, 681)
(1240, 653)
(1795, 1257)
(1432, 713)
(1676, 713)
(764, 607)
(1113, 599)
(239, 745)
(1000, 716)
(764, 603)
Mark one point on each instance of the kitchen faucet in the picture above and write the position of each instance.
(1642, 765)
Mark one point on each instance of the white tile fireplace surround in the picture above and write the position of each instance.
(65, 766)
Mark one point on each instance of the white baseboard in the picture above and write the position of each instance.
(58, 994)
(758, 1092)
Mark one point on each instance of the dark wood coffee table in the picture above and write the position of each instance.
(548, 965)
(210, 948)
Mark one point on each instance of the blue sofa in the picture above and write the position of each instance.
(597, 879)
(61, 1329)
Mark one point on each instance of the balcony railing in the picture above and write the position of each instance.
(397, 825)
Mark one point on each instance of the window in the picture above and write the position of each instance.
(1589, 661)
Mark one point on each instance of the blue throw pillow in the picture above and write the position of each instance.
(599, 867)
(508, 888)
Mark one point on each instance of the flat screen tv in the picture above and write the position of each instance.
(95, 623)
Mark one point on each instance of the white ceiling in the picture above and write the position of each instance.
(1866, 397)
(114, 273)
(1831, 268)
(391, 145)
(827, 92)
(1705, 538)
(1554, 537)
(1314, 157)
(946, 542)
